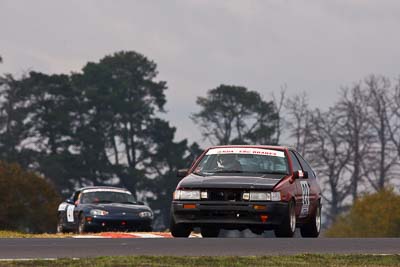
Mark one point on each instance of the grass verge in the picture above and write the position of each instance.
(14, 234)
(296, 260)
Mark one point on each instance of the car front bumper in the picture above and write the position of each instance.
(103, 223)
(228, 214)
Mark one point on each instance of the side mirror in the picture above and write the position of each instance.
(300, 174)
(69, 201)
(140, 202)
(182, 173)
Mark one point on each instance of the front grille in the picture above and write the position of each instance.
(224, 195)
(226, 214)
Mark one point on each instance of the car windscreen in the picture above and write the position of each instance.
(243, 161)
(97, 197)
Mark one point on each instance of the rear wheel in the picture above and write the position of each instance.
(313, 227)
(209, 231)
(288, 225)
(179, 229)
(60, 225)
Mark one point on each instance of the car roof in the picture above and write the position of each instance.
(255, 146)
(102, 187)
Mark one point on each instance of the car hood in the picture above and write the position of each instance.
(118, 207)
(231, 181)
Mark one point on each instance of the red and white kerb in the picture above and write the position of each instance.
(248, 151)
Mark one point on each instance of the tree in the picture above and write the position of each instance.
(120, 102)
(14, 128)
(166, 159)
(279, 107)
(97, 127)
(354, 114)
(28, 201)
(381, 159)
(298, 121)
(235, 115)
(393, 122)
(329, 154)
(52, 110)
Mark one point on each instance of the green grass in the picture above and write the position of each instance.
(297, 260)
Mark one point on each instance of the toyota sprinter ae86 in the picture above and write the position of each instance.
(247, 187)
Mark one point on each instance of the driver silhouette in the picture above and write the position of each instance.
(229, 162)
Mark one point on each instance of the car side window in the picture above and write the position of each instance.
(295, 162)
(305, 165)
(75, 196)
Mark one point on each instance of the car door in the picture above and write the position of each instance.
(314, 190)
(70, 217)
(301, 195)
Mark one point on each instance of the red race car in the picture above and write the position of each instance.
(239, 187)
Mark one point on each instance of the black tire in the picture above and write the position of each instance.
(60, 225)
(288, 225)
(313, 227)
(209, 231)
(82, 227)
(179, 230)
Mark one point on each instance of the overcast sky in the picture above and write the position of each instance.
(312, 46)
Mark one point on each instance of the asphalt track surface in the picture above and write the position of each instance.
(27, 248)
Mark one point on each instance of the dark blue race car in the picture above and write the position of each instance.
(100, 208)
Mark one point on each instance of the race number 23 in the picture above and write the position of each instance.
(305, 193)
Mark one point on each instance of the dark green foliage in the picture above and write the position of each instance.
(28, 202)
(166, 159)
(235, 115)
(53, 107)
(97, 127)
(14, 126)
(120, 99)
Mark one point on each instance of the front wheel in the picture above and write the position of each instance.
(179, 230)
(82, 228)
(313, 227)
(288, 225)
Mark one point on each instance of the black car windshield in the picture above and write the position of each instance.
(242, 161)
(98, 197)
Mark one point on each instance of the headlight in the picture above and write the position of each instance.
(98, 212)
(145, 214)
(276, 196)
(187, 194)
(263, 196)
(260, 196)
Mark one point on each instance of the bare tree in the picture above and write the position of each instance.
(380, 159)
(353, 114)
(330, 156)
(279, 106)
(298, 121)
(394, 121)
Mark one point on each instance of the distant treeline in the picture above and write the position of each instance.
(102, 126)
